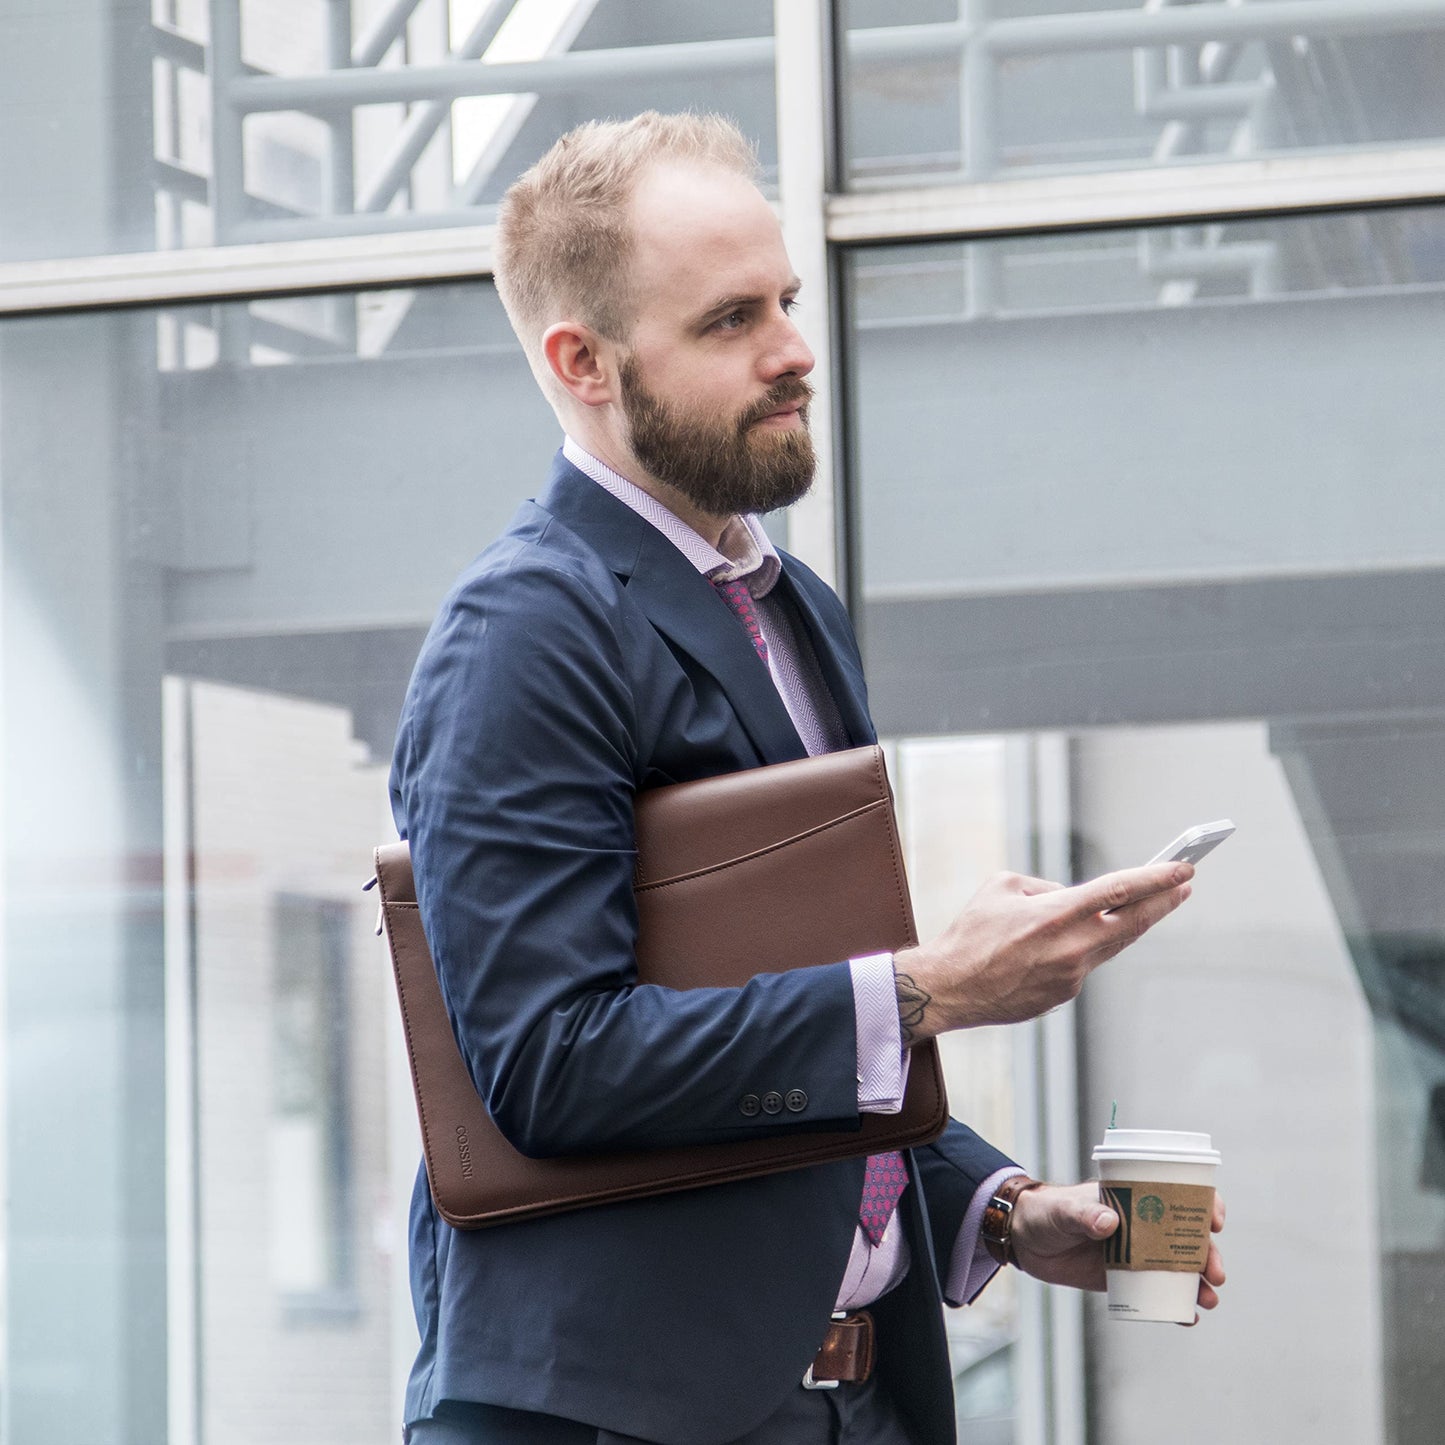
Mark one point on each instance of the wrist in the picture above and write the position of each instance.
(917, 1008)
(997, 1228)
(928, 969)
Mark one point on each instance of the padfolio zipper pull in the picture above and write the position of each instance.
(380, 908)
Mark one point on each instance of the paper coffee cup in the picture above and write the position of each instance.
(1160, 1182)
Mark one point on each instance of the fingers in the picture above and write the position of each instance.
(1208, 1298)
(1214, 1267)
(1057, 1217)
(1213, 1276)
(1217, 1223)
(1123, 925)
(1079, 1212)
(1115, 891)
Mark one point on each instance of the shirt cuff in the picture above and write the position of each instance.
(971, 1265)
(882, 1061)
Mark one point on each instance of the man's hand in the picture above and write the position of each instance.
(1059, 1230)
(1022, 946)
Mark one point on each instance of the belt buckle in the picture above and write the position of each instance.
(809, 1383)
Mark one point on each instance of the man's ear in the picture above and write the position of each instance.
(581, 361)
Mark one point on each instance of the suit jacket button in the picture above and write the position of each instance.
(750, 1105)
(772, 1103)
(796, 1101)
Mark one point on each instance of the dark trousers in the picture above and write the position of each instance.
(850, 1415)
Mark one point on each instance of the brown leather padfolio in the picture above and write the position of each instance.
(778, 868)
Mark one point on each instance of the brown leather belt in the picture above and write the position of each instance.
(846, 1354)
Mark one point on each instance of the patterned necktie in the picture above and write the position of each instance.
(737, 596)
(885, 1178)
(883, 1185)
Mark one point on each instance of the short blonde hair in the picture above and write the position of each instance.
(564, 244)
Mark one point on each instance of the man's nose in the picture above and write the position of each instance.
(790, 355)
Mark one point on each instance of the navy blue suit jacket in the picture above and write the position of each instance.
(580, 659)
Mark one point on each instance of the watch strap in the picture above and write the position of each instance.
(998, 1217)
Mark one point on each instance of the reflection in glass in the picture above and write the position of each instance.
(956, 819)
(1160, 267)
(1265, 405)
(270, 120)
(311, 1244)
(296, 1235)
(937, 91)
(217, 569)
(1190, 518)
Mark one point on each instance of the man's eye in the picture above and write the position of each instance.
(731, 322)
(790, 304)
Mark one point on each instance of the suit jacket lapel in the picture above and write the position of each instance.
(680, 602)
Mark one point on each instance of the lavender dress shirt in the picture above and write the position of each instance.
(746, 553)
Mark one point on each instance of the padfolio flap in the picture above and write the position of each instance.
(832, 889)
(713, 821)
(818, 898)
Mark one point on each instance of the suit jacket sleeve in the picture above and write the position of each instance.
(952, 1170)
(521, 746)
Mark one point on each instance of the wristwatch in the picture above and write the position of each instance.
(998, 1217)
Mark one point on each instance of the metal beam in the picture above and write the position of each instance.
(1125, 29)
(180, 181)
(171, 44)
(311, 228)
(277, 268)
(1208, 190)
(432, 250)
(454, 79)
(692, 60)
(423, 123)
(1030, 35)
(384, 31)
(804, 100)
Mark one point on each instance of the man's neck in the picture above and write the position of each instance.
(708, 525)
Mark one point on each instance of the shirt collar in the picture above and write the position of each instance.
(744, 552)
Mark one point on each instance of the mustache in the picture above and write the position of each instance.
(790, 391)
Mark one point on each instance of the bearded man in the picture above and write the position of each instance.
(635, 627)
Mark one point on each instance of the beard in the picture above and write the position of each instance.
(719, 463)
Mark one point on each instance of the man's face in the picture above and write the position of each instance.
(713, 394)
(722, 462)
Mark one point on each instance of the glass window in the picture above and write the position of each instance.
(295, 118)
(224, 531)
(1188, 517)
(1180, 404)
(311, 1115)
(962, 815)
(949, 90)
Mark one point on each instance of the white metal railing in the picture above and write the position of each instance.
(1179, 89)
(1189, 73)
(1185, 87)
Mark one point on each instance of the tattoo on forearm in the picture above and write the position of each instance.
(912, 1005)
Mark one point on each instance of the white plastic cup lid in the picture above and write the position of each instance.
(1165, 1145)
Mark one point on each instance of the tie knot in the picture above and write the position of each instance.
(737, 596)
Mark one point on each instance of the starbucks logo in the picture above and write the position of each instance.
(1151, 1209)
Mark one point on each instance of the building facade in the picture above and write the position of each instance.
(1129, 326)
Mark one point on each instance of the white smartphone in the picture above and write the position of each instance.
(1192, 845)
